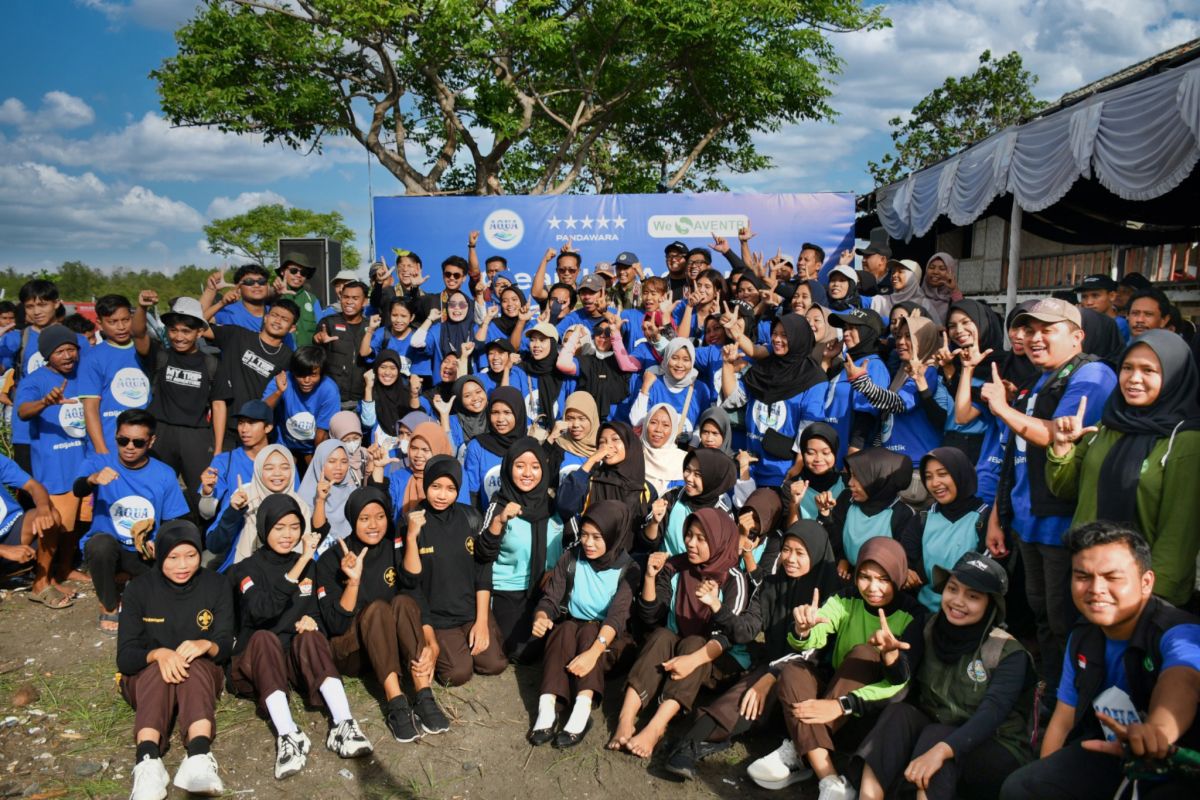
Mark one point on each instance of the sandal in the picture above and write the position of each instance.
(106, 616)
(51, 597)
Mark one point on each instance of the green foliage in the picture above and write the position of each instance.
(255, 235)
(957, 114)
(77, 282)
(535, 96)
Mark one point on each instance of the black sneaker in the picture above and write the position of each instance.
(705, 749)
(428, 715)
(399, 719)
(682, 762)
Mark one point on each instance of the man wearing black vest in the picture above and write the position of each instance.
(1130, 679)
(340, 335)
(1070, 383)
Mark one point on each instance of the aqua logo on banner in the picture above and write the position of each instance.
(503, 229)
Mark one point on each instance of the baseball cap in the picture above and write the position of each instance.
(977, 571)
(903, 263)
(256, 410)
(605, 270)
(545, 329)
(592, 283)
(1098, 282)
(856, 318)
(300, 260)
(1052, 310)
(345, 275)
(185, 307)
(625, 260)
(500, 343)
(676, 247)
(846, 272)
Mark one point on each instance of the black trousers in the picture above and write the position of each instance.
(904, 732)
(1073, 772)
(105, 558)
(513, 612)
(188, 451)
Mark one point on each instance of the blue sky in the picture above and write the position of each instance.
(89, 169)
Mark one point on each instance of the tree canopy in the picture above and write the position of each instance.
(255, 234)
(529, 96)
(957, 114)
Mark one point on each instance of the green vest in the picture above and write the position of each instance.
(306, 326)
(950, 693)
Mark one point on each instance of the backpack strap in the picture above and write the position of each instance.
(565, 602)
(993, 649)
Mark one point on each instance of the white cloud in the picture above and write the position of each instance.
(158, 14)
(59, 111)
(41, 207)
(232, 206)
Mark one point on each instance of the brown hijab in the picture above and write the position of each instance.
(433, 435)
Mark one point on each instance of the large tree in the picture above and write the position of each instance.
(503, 96)
(957, 114)
(255, 235)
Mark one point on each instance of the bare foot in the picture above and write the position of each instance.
(621, 735)
(643, 744)
(79, 577)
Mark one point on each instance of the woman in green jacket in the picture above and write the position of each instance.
(1140, 465)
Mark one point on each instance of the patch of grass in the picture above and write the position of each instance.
(86, 700)
(92, 788)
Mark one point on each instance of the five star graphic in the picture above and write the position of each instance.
(599, 222)
(554, 222)
(602, 221)
(571, 222)
(587, 222)
(618, 221)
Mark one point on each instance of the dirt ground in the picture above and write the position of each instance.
(75, 739)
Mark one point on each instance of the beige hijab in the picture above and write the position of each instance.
(663, 464)
(256, 492)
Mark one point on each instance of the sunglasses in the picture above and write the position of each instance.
(125, 441)
(254, 282)
(457, 304)
(293, 271)
(602, 332)
(453, 275)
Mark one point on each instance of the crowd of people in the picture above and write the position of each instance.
(926, 547)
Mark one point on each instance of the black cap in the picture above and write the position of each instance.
(500, 343)
(53, 337)
(256, 410)
(977, 571)
(626, 259)
(857, 318)
(878, 244)
(676, 247)
(1101, 283)
(1136, 281)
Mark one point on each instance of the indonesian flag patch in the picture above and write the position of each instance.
(1081, 660)
(247, 583)
(320, 592)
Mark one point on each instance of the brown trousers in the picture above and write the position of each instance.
(798, 683)
(647, 677)
(263, 668)
(726, 709)
(455, 664)
(156, 703)
(568, 638)
(381, 635)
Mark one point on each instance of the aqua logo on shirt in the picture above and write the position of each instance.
(128, 511)
(130, 387)
(491, 481)
(769, 417)
(302, 427)
(70, 419)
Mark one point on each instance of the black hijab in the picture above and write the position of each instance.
(615, 523)
(498, 443)
(1176, 409)
(171, 535)
(273, 508)
(988, 336)
(962, 472)
(504, 322)
(868, 335)
(852, 299)
(622, 482)
(777, 377)
(1101, 337)
(454, 334)
(473, 425)
(536, 504)
(358, 500)
(883, 475)
(822, 565)
(391, 402)
(438, 467)
(718, 473)
(1018, 370)
(826, 433)
(549, 381)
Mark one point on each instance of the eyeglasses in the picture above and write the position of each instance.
(125, 441)
(453, 275)
(254, 282)
(605, 332)
(568, 270)
(456, 304)
(293, 271)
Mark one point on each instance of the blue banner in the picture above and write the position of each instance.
(522, 228)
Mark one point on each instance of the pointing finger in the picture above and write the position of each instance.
(342, 544)
(1082, 409)
(816, 598)
(996, 374)
(883, 623)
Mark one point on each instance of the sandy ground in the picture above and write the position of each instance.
(75, 739)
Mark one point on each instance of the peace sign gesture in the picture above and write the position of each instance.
(807, 617)
(352, 564)
(885, 641)
(1070, 429)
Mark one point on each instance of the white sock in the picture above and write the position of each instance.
(334, 693)
(546, 712)
(579, 715)
(281, 714)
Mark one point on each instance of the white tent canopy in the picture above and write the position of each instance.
(1139, 141)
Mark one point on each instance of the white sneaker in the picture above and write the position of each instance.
(836, 787)
(780, 768)
(198, 775)
(290, 752)
(150, 780)
(347, 740)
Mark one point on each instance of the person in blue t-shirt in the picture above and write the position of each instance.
(1130, 681)
(111, 378)
(304, 400)
(245, 304)
(1099, 293)
(29, 535)
(49, 400)
(220, 480)
(1070, 383)
(133, 494)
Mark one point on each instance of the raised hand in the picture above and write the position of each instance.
(799, 488)
(208, 481)
(467, 348)
(373, 323)
(745, 233)
(56, 395)
(106, 476)
(994, 392)
(416, 521)
(944, 356)
(826, 503)
(443, 406)
(322, 336)
(884, 640)
(654, 564)
(352, 563)
(323, 489)
(472, 238)
(281, 382)
(147, 298)
(807, 617)
(970, 357)
(720, 244)
(658, 510)
(240, 498)
(510, 511)
(1070, 429)
(744, 460)
(708, 592)
(855, 371)
(309, 543)
(369, 378)
(846, 258)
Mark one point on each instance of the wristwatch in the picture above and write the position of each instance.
(847, 707)
(600, 638)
